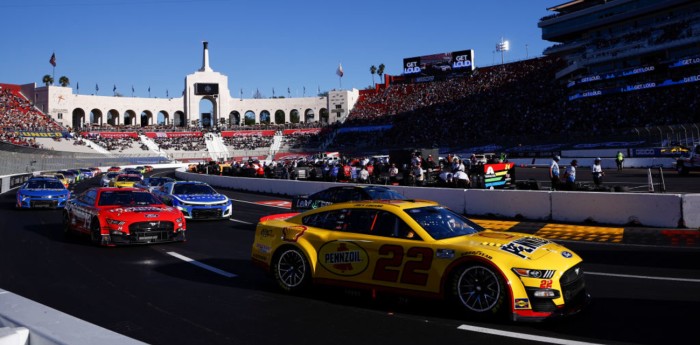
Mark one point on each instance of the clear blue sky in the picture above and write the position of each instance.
(257, 44)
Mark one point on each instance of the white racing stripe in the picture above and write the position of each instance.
(204, 266)
(522, 336)
(643, 277)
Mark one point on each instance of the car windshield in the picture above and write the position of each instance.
(383, 194)
(189, 188)
(112, 175)
(157, 181)
(441, 222)
(45, 184)
(110, 198)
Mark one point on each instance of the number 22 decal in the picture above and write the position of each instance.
(388, 267)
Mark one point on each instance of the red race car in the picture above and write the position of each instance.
(114, 216)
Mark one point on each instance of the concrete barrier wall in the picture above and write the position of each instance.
(606, 163)
(691, 210)
(49, 326)
(530, 204)
(655, 210)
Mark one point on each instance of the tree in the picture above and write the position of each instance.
(47, 80)
(64, 81)
(373, 70)
(380, 71)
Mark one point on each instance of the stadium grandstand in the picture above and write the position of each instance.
(622, 72)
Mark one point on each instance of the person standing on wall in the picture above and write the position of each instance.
(597, 172)
(570, 175)
(554, 172)
(619, 159)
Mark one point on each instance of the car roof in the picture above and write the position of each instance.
(380, 204)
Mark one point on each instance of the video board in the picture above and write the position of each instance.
(439, 64)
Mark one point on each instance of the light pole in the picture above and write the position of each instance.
(503, 47)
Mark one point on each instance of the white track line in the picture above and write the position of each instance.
(240, 221)
(204, 266)
(522, 336)
(643, 277)
(255, 203)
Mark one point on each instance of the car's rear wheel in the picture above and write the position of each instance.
(479, 290)
(291, 269)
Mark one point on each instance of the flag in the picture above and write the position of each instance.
(97, 88)
(132, 88)
(115, 88)
(339, 72)
(167, 95)
(149, 89)
(77, 86)
(52, 61)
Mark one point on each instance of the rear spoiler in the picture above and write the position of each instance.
(278, 216)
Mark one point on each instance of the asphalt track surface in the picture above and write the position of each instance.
(644, 289)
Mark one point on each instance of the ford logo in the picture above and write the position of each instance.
(566, 254)
(151, 215)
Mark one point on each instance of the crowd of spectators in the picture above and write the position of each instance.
(112, 144)
(18, 114)
(186, 143)
(517, 102)
(248, 142)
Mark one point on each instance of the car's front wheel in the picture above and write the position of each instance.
(95, 233)
(67, 231)
(479, 290)
(291, 269)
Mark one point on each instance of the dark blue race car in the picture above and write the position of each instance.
(42, 192)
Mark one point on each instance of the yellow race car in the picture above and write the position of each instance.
(125, 180)
(419, 247)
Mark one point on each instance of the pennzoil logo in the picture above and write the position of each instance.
(522, 303)
(343, 258)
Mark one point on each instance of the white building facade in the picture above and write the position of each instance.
(78, 111)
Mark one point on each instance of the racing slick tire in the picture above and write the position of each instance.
(291, 270)
(480, 291)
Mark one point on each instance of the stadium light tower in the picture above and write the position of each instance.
(502, 47)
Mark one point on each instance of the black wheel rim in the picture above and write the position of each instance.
(478, 289)
(291, 268)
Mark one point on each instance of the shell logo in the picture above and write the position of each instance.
(343, 258)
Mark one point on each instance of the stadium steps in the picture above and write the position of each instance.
(152, 145)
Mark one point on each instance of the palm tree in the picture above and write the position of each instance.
(47, 80)
(64, 81)
(373, 70)
(380, 71)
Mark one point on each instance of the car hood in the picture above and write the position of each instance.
(41, 192)
(516, 245)
(201, 197)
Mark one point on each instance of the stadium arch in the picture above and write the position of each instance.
(281, 117)
(234, 118)
(96, 117)
(309, 115)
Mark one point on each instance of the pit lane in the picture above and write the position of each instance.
(150, 295)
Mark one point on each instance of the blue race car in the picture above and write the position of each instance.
(42, 192)
(197, 200)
